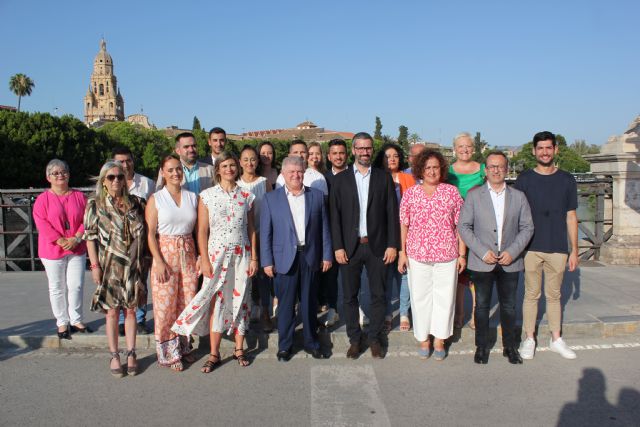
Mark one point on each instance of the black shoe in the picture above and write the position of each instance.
(284, 355)
(85, 330)
(482, 356)
(513, 355)
(143, 329)
(121, 330)
(64, 334)
(316, 353)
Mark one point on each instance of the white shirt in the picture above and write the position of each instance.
(296, 205)
(312, 178)
(174, 220)
(362, 183)
(497, 199)
(142, 186)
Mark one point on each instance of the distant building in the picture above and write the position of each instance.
(307, 131)
(8, 108)
(141, 120)
(103, 101)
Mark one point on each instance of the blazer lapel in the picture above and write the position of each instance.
(489, 206)
(354, 192)
(287, 214)
(307, 206)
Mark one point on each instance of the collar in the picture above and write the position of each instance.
(333, 171)
(289, 193)
(190, 169)
(504, 187)
(357, 171)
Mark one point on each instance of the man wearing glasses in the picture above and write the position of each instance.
(365, 230)
(496, 225)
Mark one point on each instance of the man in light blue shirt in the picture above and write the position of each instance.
(198, 176)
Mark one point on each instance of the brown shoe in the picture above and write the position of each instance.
(354, 351)
(376, 350)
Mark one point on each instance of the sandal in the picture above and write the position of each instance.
(132, 370)
(241, 358)
(405, 324)
(117, 372)
(177, 366)
(210, 365)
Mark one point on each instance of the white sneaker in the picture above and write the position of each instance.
(528, 348)
(331, 318)
(559, 346)
(364, 320)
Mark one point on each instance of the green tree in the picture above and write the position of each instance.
(378, 133)
(566, 159)
(414, 138)
(561, 140)
(479, 146)
(196, 124)
(21, 85)
(403, 137)
(581, 147)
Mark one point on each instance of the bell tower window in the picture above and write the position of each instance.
(101, 89)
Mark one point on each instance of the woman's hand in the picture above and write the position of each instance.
(198, 267)
(403, 262)
(161, 271)
(96, 274)
(253, 267)
(462, 264)
(207, 269)
(66, 243)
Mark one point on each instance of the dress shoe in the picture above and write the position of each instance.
(284, 355)
(64, 334)
(482, 356)
(513, 355)
(376, 350)
(354, 351)
(316, 353)
(82, 330)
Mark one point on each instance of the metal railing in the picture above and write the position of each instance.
(18, 235)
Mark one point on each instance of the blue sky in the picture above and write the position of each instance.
(505, 68)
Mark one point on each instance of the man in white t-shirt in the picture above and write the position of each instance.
(143, 187)
(312, 178)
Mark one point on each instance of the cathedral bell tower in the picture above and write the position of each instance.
(103, 101)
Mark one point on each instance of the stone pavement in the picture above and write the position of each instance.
(598, 301)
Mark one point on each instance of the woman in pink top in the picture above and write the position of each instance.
(430, 250)
(58, 214)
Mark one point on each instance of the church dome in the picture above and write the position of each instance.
(103, 56)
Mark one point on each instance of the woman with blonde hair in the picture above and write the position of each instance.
(315, 158)
(115, 232)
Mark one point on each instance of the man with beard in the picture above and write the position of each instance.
(365, 230)
(552, 195)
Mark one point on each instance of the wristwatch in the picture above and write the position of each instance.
(78, 240)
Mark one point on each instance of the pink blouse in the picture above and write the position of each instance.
(432, 223)
(50, 212)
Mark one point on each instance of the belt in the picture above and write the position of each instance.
(364, 240)
(300, 248)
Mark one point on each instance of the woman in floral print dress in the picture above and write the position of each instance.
(227, 244)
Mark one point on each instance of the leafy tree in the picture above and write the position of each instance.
(21, 85)
(196, 124)
(566, 159)
(414, 138)
(581, 147)
(378, 133)
(561, 140)
(479, 146)
(403, 137)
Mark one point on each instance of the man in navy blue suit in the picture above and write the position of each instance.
(295, 245)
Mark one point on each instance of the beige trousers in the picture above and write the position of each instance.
(553, 266)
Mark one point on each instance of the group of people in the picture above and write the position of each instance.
(259, 238)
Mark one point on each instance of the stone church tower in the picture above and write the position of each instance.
(103, 101)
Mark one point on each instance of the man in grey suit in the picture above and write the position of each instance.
(496, 225)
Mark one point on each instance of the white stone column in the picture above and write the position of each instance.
(620, 159)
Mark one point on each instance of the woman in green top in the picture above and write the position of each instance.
(464, 173)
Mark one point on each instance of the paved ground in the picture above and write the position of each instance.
(74, 388)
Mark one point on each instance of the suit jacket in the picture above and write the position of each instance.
(205, 176)
(478, 229)
(278, 239)
(383, 223)
(206, 159)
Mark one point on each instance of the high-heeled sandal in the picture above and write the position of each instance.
(116, 372)
(132, 370)
(210, 365)
(241, 358)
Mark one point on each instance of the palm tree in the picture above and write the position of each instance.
(21, 85)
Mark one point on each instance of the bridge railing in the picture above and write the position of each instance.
(19, 237)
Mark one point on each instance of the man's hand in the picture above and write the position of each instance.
(390, 255)
(341, 256)
(462, 264)
(490, 257)
(505, 258)
(326, 265)
(403, 262)
(268, 270)
(573, 261)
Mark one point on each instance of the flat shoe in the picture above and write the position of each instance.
(439, 355)
(424, 353)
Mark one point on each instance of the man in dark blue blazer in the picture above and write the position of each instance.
(295, 245)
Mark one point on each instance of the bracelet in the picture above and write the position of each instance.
(94, 266)
(254, 259)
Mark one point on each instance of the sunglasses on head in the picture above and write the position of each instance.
(112, 177)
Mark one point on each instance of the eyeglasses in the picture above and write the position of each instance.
(363, 148)
(497, 168)
(61, 173)
(112, 177)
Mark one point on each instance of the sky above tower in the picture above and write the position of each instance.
(507, 69)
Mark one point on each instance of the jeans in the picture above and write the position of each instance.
(397, 280)
(507, 286)
(66, 278)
